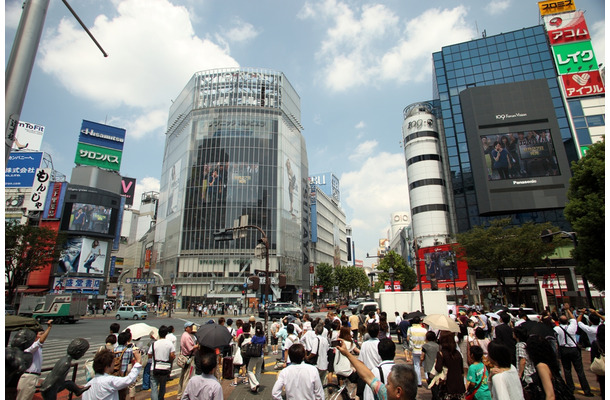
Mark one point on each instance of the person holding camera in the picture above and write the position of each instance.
(105, 385)
(569, 352)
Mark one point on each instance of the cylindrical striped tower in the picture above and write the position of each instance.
(427, 186)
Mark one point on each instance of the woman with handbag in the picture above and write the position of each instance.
(546, 380)
(476, 379)
(598, 350)
(450, 358)
(256, 361)
(343, 367)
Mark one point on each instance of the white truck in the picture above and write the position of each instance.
(435, 302)
(58, 307)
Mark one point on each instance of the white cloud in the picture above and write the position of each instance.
(242, 32)
(385, 176)
(144, 123)
(360, 125)
(598, 38)
(497, 7)
(148, 184)
(368, 44)
(152, 51)
(12, 14)
(363, 150)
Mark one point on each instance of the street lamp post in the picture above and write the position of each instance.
(419, 277)
(391, 272)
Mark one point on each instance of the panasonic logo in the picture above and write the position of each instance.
(525, 182)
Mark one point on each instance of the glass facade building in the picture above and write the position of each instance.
(233, 148)
(518, 56)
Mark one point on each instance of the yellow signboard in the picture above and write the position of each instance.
(556, 6)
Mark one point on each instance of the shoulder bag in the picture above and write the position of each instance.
(160, 367)
(470, 394)
(598, 366)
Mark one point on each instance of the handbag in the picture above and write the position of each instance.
(598, 366)
(183, 361)
(146, 376)
(252, 349)
(161, 367)
(89, 372)
(534, 391)
(342, 366)
(237, 357)
(470, 394)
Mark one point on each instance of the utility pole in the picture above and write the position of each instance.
(21, 62)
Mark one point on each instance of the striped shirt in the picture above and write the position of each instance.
(417, 337)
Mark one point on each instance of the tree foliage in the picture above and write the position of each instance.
(402, 272)
(504, 251)
(586, 213)
(351, 279)
(28, 248)
(325, 277)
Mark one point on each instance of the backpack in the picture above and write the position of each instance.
(118, 362)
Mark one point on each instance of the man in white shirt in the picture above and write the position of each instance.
(387, 352)
(319, 346)
(291, 339)
(105, 386)
(301, 381)
(569, 351)
(595, 320)
(170, 335)
(27, 383)
(369, 353)
(161, 351)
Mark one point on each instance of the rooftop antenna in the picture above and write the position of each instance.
(21, 62)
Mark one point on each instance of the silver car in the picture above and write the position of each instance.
(131, 312)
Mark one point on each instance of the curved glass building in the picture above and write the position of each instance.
(233, 148)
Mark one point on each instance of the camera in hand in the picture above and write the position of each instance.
(335, 343)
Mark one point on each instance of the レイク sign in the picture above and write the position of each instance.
(575, 57)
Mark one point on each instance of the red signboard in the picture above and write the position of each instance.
(397, 286)
(566, 28)
(441, 262)
(583, 84)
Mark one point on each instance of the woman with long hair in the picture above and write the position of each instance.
(384, 327)
(449, 357)
(345, 334)
(598, 347)
(547, 377)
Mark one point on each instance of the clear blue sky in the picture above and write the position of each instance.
(355, 64)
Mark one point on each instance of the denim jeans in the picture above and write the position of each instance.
(157, 386)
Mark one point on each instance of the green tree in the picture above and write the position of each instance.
(28, 248)
(325, 277)
(586, 213)
(402, 272)
(351, 279)
(502, 250)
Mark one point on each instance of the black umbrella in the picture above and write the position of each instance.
(213, 336)
(415, 314)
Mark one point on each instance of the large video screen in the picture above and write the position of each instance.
(90, 218)
(524, 154)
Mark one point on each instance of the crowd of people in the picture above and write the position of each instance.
(489, 356)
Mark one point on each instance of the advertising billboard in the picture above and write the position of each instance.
(566, 28)
(328, 183)
(515, 147)
(35, 201)
(583, 84)
(574, 57)
(102, 135)
(556, 6)
(28, 136)
(441, 262)
(82, 255)
(96, 156)
(55, 200)
(80, 284)
(128, 189)
(21, 169)
(90, 211)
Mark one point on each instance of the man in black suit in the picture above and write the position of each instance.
(504, 335)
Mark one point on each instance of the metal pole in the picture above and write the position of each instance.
(419, 278)
(20, 65)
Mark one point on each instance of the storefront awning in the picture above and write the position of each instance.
(32, 290)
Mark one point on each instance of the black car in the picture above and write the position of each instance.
(280, 310)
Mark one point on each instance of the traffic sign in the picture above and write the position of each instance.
(141, 281)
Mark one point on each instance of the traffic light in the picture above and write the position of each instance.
(243, 292)
(223, 235)
(255, 282)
